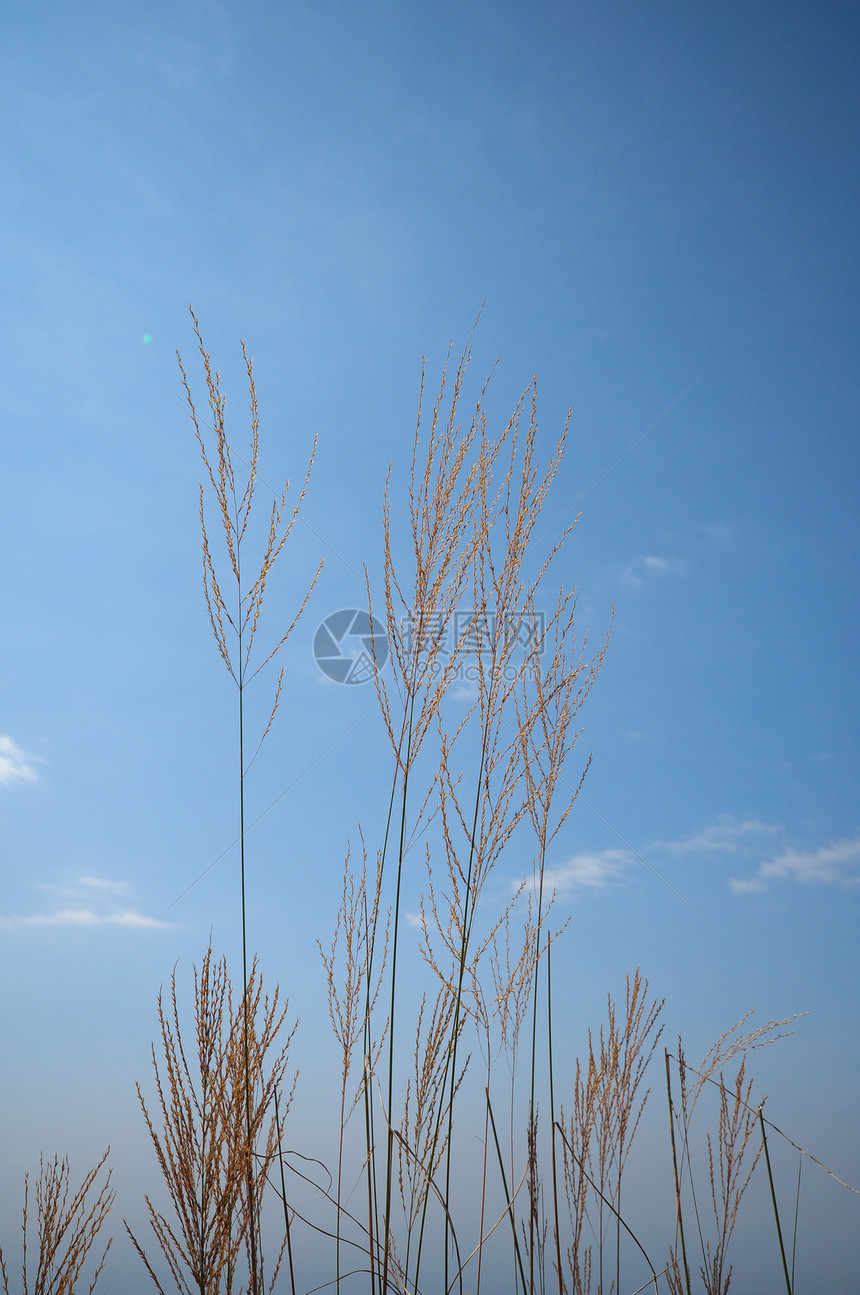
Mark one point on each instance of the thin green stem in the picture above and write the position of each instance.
(533, 1085)
(389, 1157)
(552, 1118)
(508, 1197)
(372, 1192)
(677, 1175)
(287, 1226)
(773, 1201)
(246, 1024)
(796, 1216)
(468, 917)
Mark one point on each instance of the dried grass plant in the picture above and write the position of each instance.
(598, 1132)
(199, 1131)
(351, 1002)
(731, 1158)
(474, 503)
(234, 604)
(68, 1224)
(496, 767)
(475, 780)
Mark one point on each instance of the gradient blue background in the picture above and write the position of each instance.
(657, 201)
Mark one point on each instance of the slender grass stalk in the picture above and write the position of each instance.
(677, 1175)
(686, 1113)
(484, 1160)
(349, 1020)
(552, 1108)
(287, 1224)
(796, 1217)
(234, 502)
(508, 1197)
(788, 1282)
(392, 1008)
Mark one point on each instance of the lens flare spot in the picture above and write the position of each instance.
(147, 338)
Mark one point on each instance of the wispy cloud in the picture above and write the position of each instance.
(749, 845)
(59, 917)
(131, 917)
(15, 765)
(834, 865)
(728, 834)
(104, 885)
(648, 566)
(747, 885)
(588, 870)
(88, 902)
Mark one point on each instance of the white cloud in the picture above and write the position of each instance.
(589, 869)
(838, 863)
(830, 865)
(105, 885)
(60, 917)
(15, 764)
(88, 901)
(649, 565)
(742, 843)
(749, 841)
(747, 885)
(130, 917)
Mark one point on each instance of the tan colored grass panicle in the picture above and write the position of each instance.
(233, 501)
(68, 1223)
(728, 1152)
(600, 1127)
(199, 1126)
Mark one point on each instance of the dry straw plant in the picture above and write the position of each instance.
(471, 1153)
(68, 1223)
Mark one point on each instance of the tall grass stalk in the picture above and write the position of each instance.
(235, 622)
(455, 502)
(788, 1280)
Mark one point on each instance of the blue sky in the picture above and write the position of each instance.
(658, 205)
